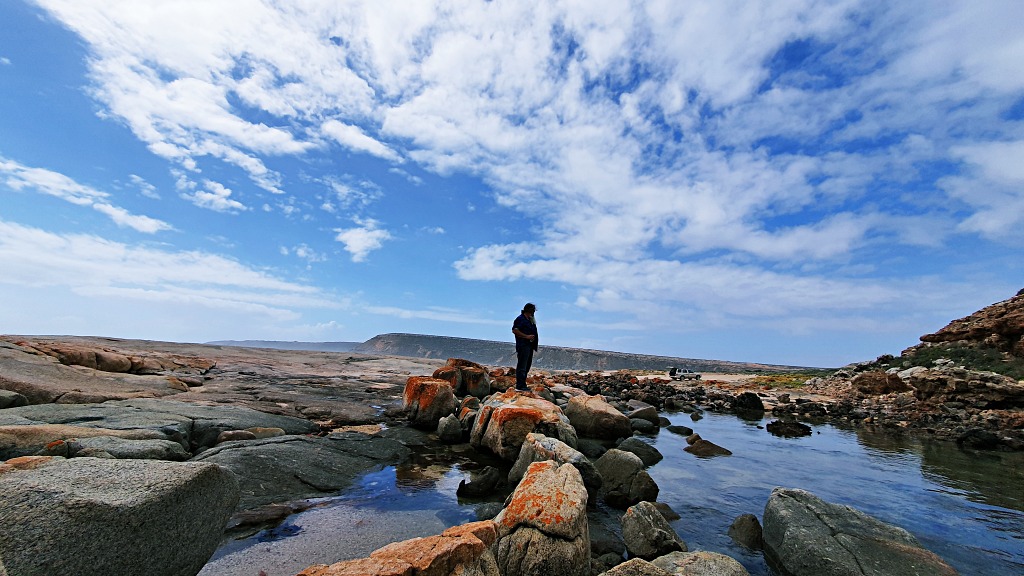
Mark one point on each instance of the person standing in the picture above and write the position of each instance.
(525, 329)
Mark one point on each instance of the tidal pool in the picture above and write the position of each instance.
(966, 506)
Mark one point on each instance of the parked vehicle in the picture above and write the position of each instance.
(683, 374)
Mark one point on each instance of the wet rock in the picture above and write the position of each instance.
(746, 531)
(748, 402)
(788, 428)
(427, 400)
(592, 448)
(705, 449)
(647, 534)
(463, 550)
(87, 516)
(700, 564)
(648, 454)
(978, 438)
(804, 535)
(681, 430)
(594, 417)
(505, 419)
(481, 484)
(294, 467)
(543, 529)
(625, 480)
(641, 426)
(449, 429)
(642, 410)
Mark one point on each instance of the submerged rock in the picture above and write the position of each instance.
(647, 534)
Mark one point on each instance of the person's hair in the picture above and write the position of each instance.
(529, 307)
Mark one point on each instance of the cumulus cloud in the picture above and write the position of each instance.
(213, 196)
(366, 237)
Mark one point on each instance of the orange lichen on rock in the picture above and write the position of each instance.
(432, 556)
(24, 463)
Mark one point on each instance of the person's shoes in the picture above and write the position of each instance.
(524, 389)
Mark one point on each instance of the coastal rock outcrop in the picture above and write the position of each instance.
(504, 420)
(543, 530)
(538, 448)
(594, 417)
(466, 377)
(461, 550)
(804, 536)
(88, 516)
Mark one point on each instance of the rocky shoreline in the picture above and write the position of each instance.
(291, 426)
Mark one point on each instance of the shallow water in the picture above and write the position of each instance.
(968, 507)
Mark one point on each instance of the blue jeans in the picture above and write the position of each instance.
(524, 359)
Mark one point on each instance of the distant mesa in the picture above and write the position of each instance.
(494, 353)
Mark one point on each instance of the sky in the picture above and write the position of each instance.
(792, 182)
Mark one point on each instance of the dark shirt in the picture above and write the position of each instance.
(524, 325)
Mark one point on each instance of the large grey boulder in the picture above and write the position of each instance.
(636, 567)
(543, 530)
(625, 482)
(10, 399)
(700, 564)
(648, 454)
(91, 516)
(152, 449)
(538, 448)
(647, 534)
(284, 468)
(594, 417)
(804, 535)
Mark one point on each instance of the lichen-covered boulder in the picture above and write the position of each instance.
(427, 400)
(504, 420)
(700, 563)
(647, 534)
(463, 550)
(593, 417)
(538, 448)
(625, 482)
(804, 535)
(543, 530)
(92, 516)
(466, 377)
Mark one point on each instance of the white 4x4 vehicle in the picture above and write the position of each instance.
(683, 374)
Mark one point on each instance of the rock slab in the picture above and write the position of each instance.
(92, 516)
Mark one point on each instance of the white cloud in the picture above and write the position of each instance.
(19, 177)
(5, 61)
(215, 197)
(354, 138)
(145, 188)
(363, 239)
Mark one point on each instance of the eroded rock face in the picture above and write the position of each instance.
(505, 419)
(625, 482)
(594, 417)
(427, 401)
(544, 528)
(463, 550)
(804, 535)
(1000, 325)
(87, 516)
(466, 377)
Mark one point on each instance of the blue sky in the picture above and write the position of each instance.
(796, 182)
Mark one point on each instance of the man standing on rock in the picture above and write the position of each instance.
(525, 329)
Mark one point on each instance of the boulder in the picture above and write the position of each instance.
(543, 530)
(26, 440)
(747, 402)
(505, 419)
(449, 429)
(805, 535)
(115, 447)
(625, 482)
(592, 416)
(648, 454)
(465, 377)
(641, 426)
(636, 567)
(88, 516)
(476, 380)
(746, 531)
(285, 468)
(647, 534)
(427, 400)
(643, 411)
(700, 564)
(681, 430)
(461, 550)
(788, 428)
(480, 484)
(538, 448)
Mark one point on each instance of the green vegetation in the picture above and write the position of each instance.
(787, 379)
(982, 358)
